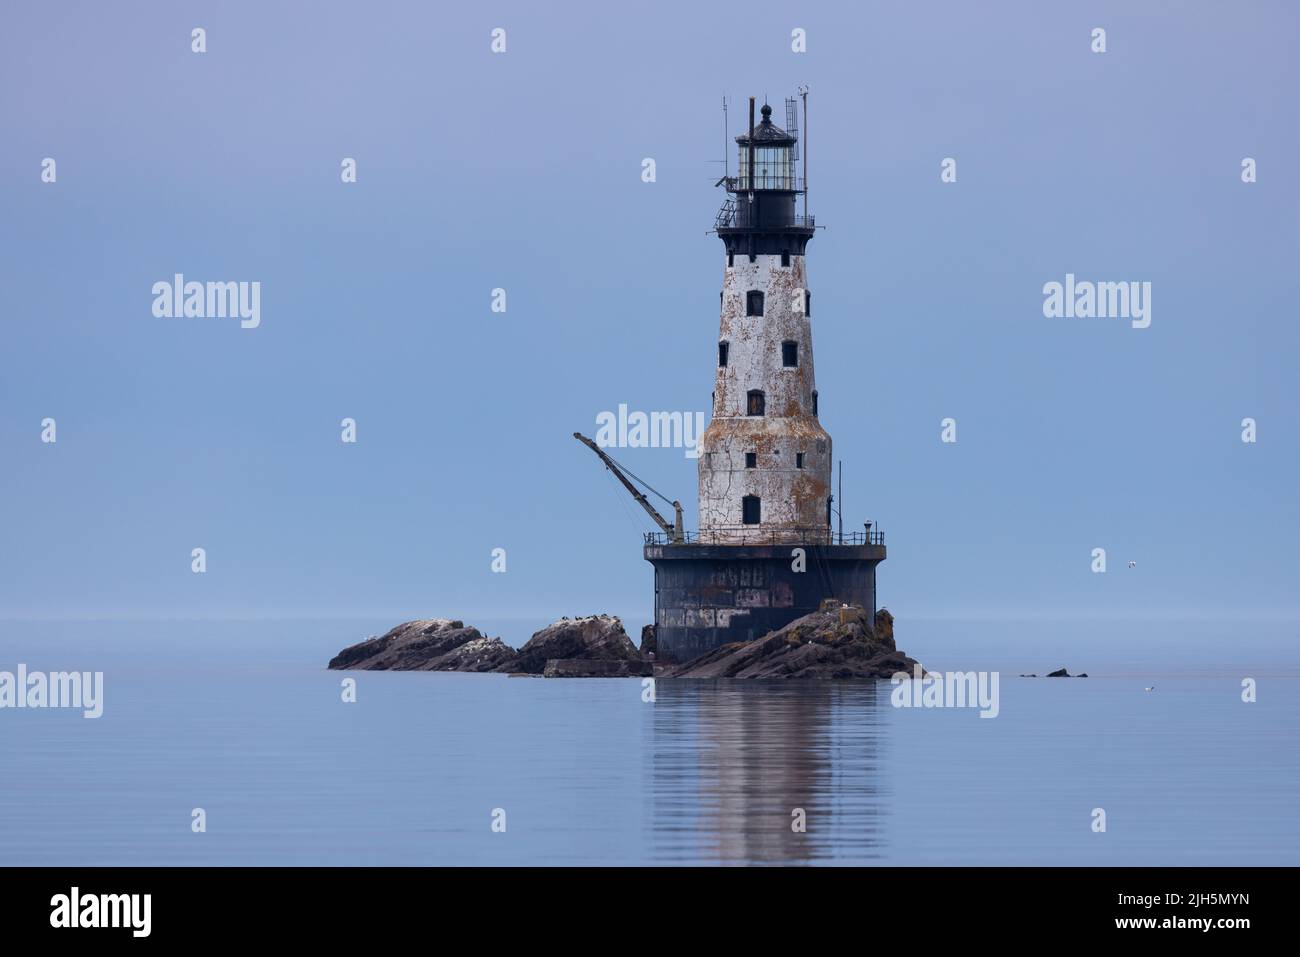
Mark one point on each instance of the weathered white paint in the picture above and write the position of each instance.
(793, 500)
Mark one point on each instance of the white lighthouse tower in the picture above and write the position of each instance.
(765, 460)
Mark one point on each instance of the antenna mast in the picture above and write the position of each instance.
(751, 169)
(803, 92)
(726, 153)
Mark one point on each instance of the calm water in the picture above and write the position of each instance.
(242, 720)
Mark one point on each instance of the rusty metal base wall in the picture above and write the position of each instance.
(711, 595)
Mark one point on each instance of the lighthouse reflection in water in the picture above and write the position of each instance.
(782, 773)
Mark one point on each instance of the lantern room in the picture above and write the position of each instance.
(774, 155)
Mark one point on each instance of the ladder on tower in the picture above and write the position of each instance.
(726, 215)
(792, 124)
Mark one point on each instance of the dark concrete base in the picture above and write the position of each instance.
(711, 595)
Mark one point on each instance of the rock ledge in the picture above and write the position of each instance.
(838, 641)
(592, 646)
(834, 642)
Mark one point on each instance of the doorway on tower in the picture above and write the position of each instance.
(751, 508)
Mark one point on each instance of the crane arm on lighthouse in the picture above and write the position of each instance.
(673, 529)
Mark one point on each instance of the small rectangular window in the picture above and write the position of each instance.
(789, 354)
(751, 509)
(723, 349)
(807, 303)
(754, 303)
(814, 401)
(785, 260)
(751, 460)
(731, 259)
(798, 460)
(755, 404)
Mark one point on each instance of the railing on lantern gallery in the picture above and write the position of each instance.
(726, 218)
(813, 535)
(766, 179)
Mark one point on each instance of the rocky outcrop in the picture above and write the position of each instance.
(595, 637)
(883, 626)
(649, 645)
(597, 668)
(480, 654)
(835, 642)
(434, 644)
(592, 647)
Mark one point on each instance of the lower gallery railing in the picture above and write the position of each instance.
(815, 535)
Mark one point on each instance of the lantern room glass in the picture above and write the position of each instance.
(773, 166)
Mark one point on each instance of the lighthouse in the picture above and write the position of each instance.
(765, 460)
(770, 546)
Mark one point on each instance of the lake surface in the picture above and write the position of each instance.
(242, 720)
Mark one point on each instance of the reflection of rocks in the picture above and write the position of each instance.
(436, 644)
(836, 642)
(599, 637)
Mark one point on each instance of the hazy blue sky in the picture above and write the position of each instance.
(522, 171)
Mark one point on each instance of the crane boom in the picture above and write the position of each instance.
(673, 529)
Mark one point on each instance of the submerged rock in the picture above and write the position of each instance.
(594, 637)
(433, 644)
(835, 642)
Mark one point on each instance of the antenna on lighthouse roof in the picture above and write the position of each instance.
(750, 144)
(726, 147)
(803, 92)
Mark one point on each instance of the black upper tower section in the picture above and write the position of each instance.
(759, 218)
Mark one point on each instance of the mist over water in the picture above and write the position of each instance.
(243, 720)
